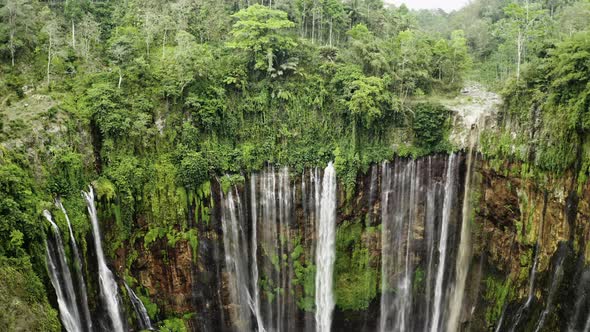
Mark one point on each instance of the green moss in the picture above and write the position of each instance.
(355, 279)
(105, 189)
(151, 308)
(173, 325)
(496, 293)
(193, 240)
(304, 275)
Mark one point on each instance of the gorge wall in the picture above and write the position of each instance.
(526, 264)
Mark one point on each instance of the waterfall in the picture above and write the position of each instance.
(256, 297)
(261, 287)
(416, 196)
(275, 219)
(234, 242)
(581, 304)
(78, 267)
(325, 254)
(108, 286)
(142, 316)
(555, 281)
(386, 300)
(61, 279)
(432, 196)
(398, 215)
(311, 198)
(439, 294)
(531, 292)
(464, 257)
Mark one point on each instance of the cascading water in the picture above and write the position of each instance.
(398, 212)
(275, 216)
(419, 243)
(61, 279)
(108, 286)
(582, 304)
(140, 311)
(264, 293)
(235, 245)
(78, 267)
(255, 275)
(439, 292)
(413, 203)
(464, 256)
(433, 194)
(555, 281)
(531, 292)
(311, 198)
(325, 254)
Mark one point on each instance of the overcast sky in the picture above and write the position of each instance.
(446, 5)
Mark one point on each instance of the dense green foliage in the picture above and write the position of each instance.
(548, 110)
(149, 100)
(24, 305)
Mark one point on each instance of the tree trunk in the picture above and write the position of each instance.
(519, 53)
(330, 32)
(73, 35)
(49, 59)
(120, 78)
(164, 43)
(12, 47)
(313, 23)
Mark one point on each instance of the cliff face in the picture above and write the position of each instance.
(529, 241)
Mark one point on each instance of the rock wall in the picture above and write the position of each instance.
(517, 219)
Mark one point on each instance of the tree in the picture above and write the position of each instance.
(365, 98)
(188, 61)
(522, 24)
(263, 33)
(211, 21)
(74, 12)
(16, 16)
(430, 126)
(411, 63)
(459, 56)
(367, 50)
(90, 34)
(123, 48)
(54, 35)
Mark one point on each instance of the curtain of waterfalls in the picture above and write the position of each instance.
(108, 287)
(421, 236)
(439, 292)
(417, 240)
(83, 300)
(464, 255)
(260, 283)
(61, 279)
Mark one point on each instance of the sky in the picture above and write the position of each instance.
(446, 5)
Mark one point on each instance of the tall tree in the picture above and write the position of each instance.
(523, 24)
(54, 38)
(74, 12)
(16, 16)
(123, 47)
(89, 33)
(263, 33)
